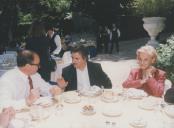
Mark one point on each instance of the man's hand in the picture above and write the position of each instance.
(6, 116)
(55, 90)
(62, 83)
(33, 96)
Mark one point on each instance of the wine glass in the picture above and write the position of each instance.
(59, 106)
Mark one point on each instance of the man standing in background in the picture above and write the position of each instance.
(55, 46)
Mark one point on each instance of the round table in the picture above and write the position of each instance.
(71, 115)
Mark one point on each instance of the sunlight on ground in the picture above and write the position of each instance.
(118, 71)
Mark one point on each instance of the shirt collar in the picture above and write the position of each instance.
(23, 76)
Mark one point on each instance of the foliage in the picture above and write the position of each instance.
(25, 18)
(47, 10)
(56, 5)
(166, 58)
(150, 8)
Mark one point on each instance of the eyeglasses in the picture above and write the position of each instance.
(38, 65)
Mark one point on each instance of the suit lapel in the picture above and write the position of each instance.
(90, 73)
(74, 77)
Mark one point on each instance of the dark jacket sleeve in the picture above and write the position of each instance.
(98, 76)
(69, 75)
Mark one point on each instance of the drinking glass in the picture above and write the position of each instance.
(59, 105)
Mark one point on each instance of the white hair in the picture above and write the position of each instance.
(147, 49)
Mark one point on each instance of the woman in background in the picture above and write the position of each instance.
(39, 43)
(146, 77)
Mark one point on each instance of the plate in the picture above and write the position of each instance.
(169, 111)
(112, 113)
(39, 114)
(44, 102)
(138, 123)
(109, 100)
(136, 93)
(71, 97)
(72, 100)
(147, 106)
(92, 91)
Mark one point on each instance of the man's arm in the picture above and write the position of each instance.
(105, 80)
(7, 93)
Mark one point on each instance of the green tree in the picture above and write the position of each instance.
(14, 13)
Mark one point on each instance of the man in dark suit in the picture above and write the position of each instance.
(82, 73)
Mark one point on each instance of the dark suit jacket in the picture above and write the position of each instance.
(96, 76)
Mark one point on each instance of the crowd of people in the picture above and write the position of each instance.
(107, 38)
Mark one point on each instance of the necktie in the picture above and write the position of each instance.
(30, 82)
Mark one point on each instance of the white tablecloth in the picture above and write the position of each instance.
(71, 116)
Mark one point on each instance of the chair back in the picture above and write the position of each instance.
(167, 85)
(67, 57)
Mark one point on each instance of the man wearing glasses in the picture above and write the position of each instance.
(22, 85)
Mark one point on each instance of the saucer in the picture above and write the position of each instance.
(72, 100)
(44, 102)
(138, 123)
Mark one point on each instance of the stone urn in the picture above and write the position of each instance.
(153, 26)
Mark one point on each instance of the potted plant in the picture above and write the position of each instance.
(166, 58)
(153, 13)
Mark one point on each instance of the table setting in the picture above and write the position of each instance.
(72, 109)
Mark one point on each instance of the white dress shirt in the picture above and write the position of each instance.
(57, 40)
(82, 78)
(14, 88)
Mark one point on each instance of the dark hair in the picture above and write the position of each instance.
(81, 50)
(37, 29)
(49, 27)
(25, 57)
(169, 95)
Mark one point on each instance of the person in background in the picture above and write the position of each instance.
(6, 116)
(146, 77)
(39, 43)
(106, 38)
(22, 85)
(55, 41)
(98, 39)
(115, 35)
(82, 73)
